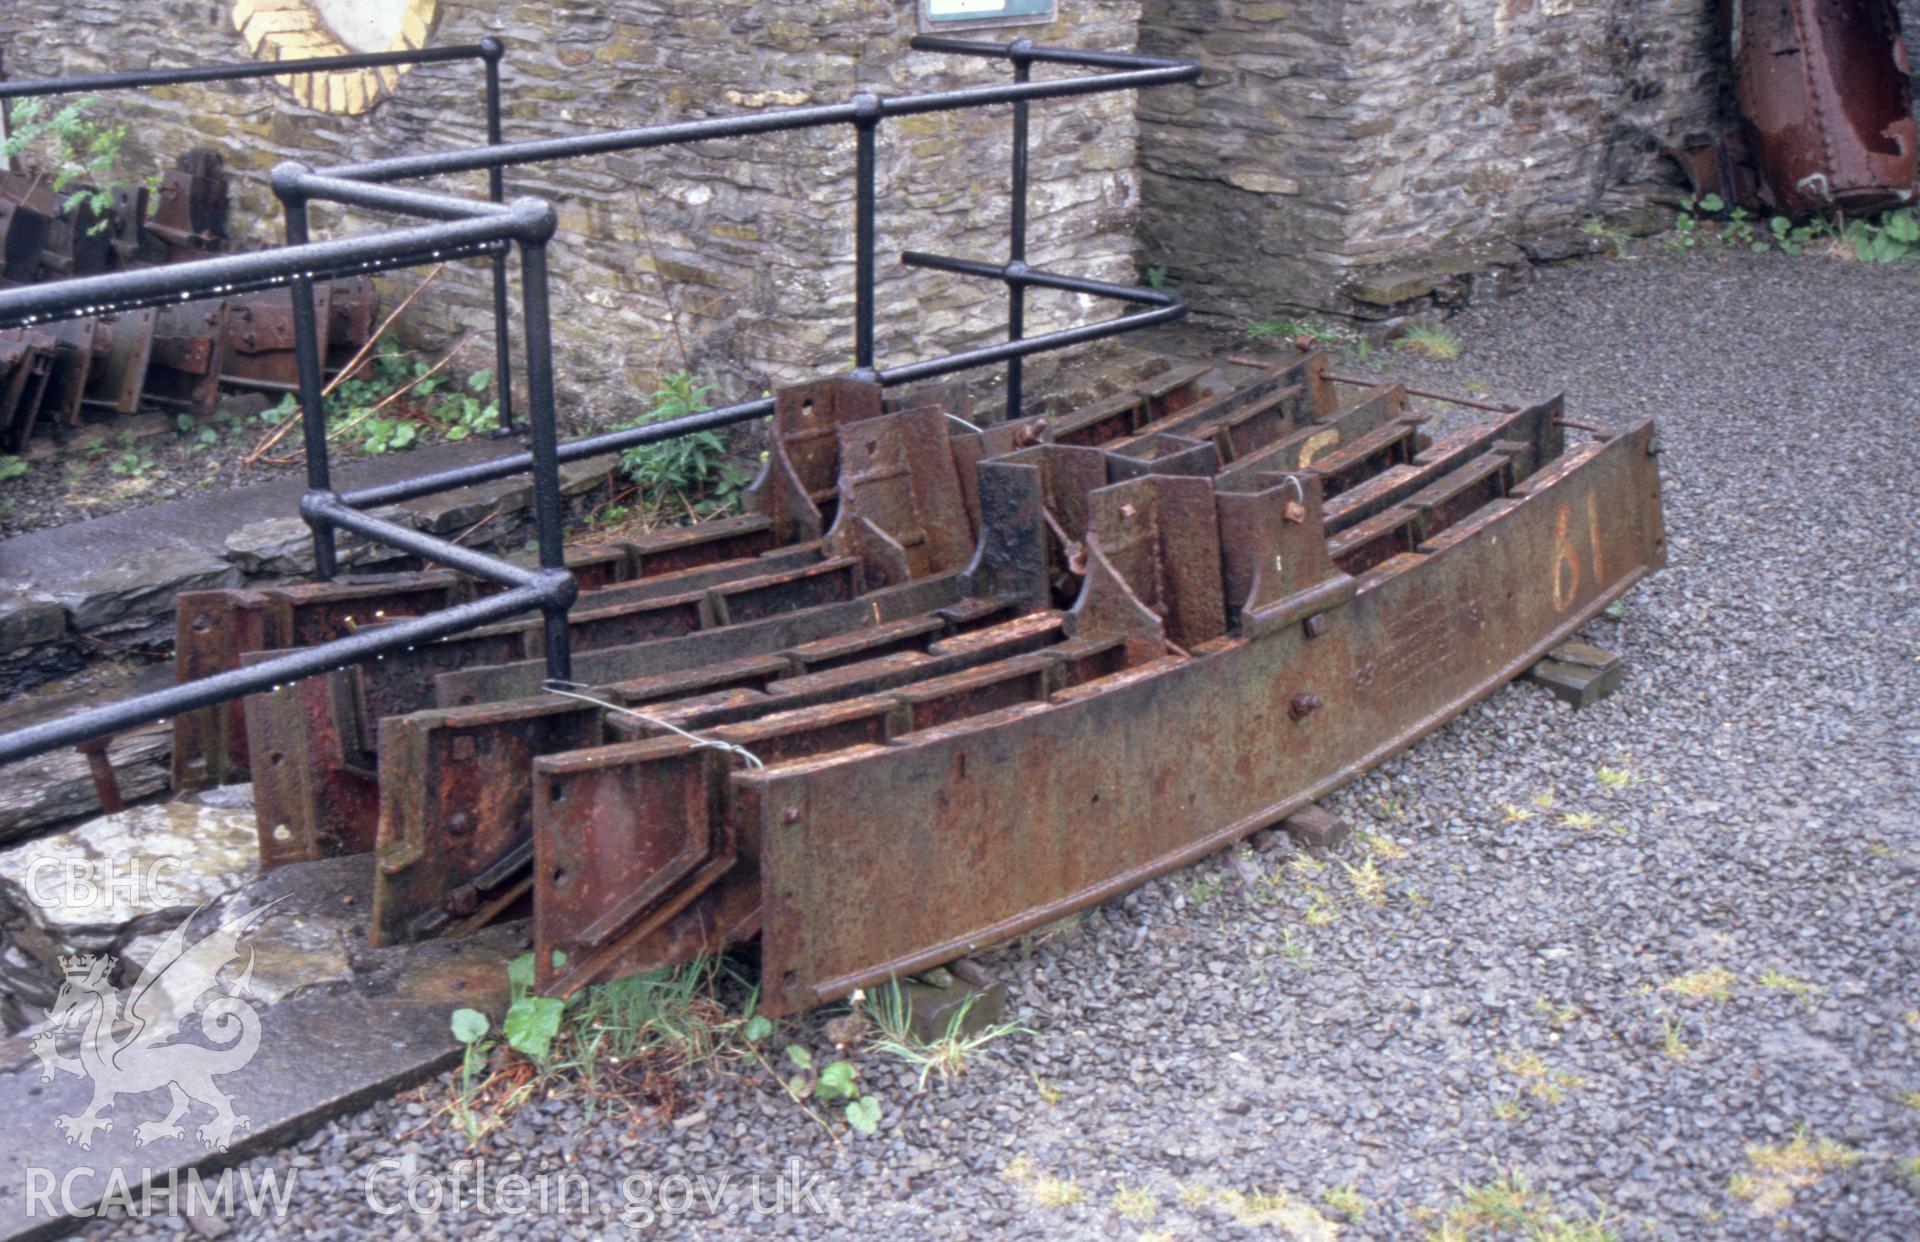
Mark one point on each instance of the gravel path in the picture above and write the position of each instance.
(1656, 960)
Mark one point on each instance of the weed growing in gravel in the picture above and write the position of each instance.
(1368, 884)
(1322, 909)
(1713, 983)
(1556, 1015)
(1783, 1168)
(1347, 1201)
(1911, 1099)
(947, 1055)
(1045, 1190)
(1203, 890)
(1614, 238)
(1507, 1206)
(1135, 1203)
(1048, 1093)
(1298, 1220)
(832, 1083)
(1295, 951)
(1910, 1169)
(1509, 1108)
(11, 468)
(1787, 983)
(1381, 847)
(1516, 814)
(1285, 328)
(1541, 1083)
(1194, 1196)
(1672, 1042)
(1912, 1018)
(626, 1044)
(1620, 777)
(1429, 342)
(1583, 820)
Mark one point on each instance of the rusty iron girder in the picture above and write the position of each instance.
(1010, 672)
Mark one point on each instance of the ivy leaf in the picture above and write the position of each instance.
(480, 379)
(836, 1082)
(757, 1028)
(531, 1024)
(800, 1056)
(864, 1115)
(469, 1025)
(520, 972)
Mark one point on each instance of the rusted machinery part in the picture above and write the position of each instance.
(1826, 103)
(179, 356)
(1066, 655)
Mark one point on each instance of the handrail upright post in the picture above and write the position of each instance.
(866, 176)
(307, 365)
(491, 50)
(548, 504)
(1021, 53)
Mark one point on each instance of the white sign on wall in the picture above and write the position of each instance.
(939, 15)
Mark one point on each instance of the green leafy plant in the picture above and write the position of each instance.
(396, 399)
(130, 463)
(1286, 328)
(833, 1083)
(1157, 278)
(76, 155)
(11, 468)
(532, 1021)
(689, 472)
(1891, 238)
(1614, 238)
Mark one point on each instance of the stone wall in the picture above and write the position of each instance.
(751, 239)
(1351, 145)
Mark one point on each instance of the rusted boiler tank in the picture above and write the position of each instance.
(1825, 101)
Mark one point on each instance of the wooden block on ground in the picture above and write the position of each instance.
(1313, 827)
(936, 998)
(1578, 674)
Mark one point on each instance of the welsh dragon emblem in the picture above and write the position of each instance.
(127, 1043)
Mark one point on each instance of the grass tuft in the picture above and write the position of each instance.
(1778, 1170)
(1508, 1207)
(1713, 983)
(948, 1055)
(1430, 342)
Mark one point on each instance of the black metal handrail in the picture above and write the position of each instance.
(865, 112)
(464, 227)
(488, 51)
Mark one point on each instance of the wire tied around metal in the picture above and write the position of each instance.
(572, 690)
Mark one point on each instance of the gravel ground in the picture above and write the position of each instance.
(1214, 1053)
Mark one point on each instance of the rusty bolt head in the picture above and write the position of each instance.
(1301, 706)
(1316, 625)
(459, 824)
(462, 901)
(793, 815)
(1293, 511)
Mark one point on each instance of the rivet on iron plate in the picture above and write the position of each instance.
(462, 901)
